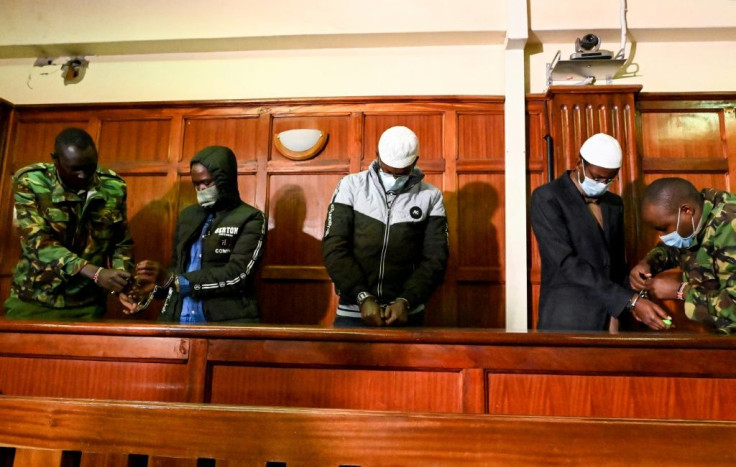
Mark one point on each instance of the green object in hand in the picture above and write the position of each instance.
(668, 322)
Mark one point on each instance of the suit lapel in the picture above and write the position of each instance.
(573, 198)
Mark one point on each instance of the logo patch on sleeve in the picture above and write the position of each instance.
(415, 212)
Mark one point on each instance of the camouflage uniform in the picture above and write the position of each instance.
(709, 265)
(61, 232)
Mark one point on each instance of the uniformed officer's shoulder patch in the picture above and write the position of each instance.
(39, 166)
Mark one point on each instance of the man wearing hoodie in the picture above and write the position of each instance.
(217, 248)
(385, 241)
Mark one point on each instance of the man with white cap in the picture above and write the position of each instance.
(579, 228)
(385, 242)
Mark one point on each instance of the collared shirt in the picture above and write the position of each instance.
(593, 203)
(191, 309)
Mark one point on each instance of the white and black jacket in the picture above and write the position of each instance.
(388, 244)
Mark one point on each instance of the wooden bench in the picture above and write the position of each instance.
(47, 432)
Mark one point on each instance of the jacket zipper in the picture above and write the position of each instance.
(384, 250)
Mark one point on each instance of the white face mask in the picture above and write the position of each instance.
(592, 188)
(207, 197)
(391, 183)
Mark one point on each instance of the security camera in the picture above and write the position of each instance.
(589, 43)
(588, 48)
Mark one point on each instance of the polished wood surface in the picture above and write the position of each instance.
(687, 376)
(47, 427)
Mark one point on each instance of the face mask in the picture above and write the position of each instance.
(592, 188)
(207, 197)
(391, 183)
(674, 239)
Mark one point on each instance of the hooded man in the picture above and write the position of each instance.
(580, 231)
(217, 248)
(385, 242)
(699, 236)
(75, 242)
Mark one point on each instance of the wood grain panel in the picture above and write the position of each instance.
(350, 437)
(34, 140)
(480, 227)
(51, 377)
(296, 217)
(336, 126)
(238, 132)
(96, 347)
(427, 127)
(297, 212)
(681, 134)
(288, 301)
(483, 305)
(612, 396)
(151, 204)
(337, 388)
(480, 136)
(126, 142)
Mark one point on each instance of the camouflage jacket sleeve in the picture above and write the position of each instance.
(122, 255)
(37, 236)
(662, 258)
(712, 276)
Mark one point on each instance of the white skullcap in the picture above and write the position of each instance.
(398, 147)
(602, 150)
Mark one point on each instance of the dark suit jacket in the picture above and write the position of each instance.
(584, 272)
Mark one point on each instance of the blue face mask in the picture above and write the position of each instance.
(674, 239)
(391, 183)
(592, 188)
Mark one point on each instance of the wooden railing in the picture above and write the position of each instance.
(663, 376)
(48, 432)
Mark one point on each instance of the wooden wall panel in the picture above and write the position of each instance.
(238, 132)
(124, 142)
(102, 379)
(480, 136)
(295, 287)
(483, 304)
(681, 134)
(480, 260)
(610, 396)
(481, 225)
(338, 388)
(150, 210)
(33, 140)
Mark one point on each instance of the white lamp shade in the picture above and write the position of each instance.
(300, 144)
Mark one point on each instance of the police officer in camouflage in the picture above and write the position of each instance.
(75, 242)
(700, 237)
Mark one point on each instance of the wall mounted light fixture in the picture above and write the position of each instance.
(300, 144)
